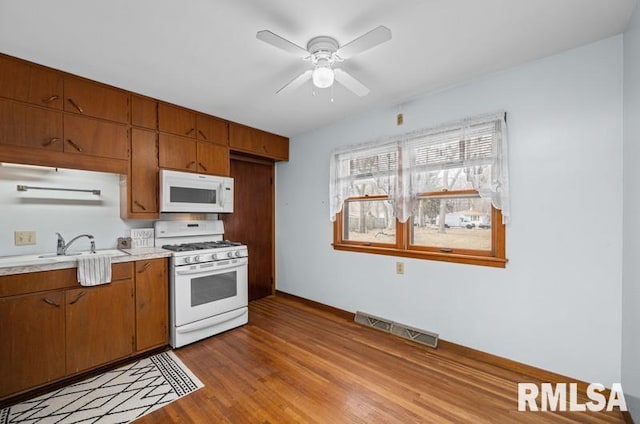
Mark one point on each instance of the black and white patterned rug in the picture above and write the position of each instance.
(117, 396)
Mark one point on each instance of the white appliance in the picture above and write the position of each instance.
(188, 192)
(208, 279)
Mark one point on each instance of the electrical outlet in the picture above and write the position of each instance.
(23, 238)
(399, 267)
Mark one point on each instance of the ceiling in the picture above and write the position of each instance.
(203, 54)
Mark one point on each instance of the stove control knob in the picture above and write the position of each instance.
(214, 257)
(188, 259)
(238, 254)
(230, 254)
(196, 258)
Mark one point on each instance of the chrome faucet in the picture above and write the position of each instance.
(63, 246)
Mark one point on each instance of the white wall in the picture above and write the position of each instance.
(557, 303)
(631, 269)
(70, 214)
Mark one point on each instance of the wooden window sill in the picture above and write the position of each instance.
(434, 256)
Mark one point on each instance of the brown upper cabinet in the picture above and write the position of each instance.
(176, 120)
(30, 83)
(94, 137)
(212, 129)
(187, 154)
(23, 125)
(256, 142)
(139, 193)
(144, 112)
(96, 100)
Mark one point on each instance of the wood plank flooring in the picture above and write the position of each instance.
(295, 362)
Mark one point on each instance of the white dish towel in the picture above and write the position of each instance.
(94, 270)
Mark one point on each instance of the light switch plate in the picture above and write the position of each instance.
(23, 238)
(399, 267)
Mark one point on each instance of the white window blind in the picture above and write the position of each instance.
(471, 153)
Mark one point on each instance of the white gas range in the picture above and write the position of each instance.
(208, 279)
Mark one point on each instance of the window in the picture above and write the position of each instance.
(438, 194)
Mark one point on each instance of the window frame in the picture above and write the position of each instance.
(496, 257)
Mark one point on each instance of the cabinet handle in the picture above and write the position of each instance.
(77, 298)
(50, 302)
(202, 134)
(76, 105)
(264, 148)
(144, 268)
(190, 131)
(75, 146)
(50, 99)
(140, 205)
(50, 141)
(191, 163)
(446, 250)
(202, 166)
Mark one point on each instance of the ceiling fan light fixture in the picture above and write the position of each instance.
(323, 76)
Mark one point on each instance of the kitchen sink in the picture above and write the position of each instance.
(49, 258)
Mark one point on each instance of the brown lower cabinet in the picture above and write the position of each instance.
(53, 328)
(32, 351)
(152, 304)
(100, 324)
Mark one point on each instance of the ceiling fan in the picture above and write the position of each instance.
(324, 52)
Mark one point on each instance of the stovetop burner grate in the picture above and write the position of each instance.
(186, 247)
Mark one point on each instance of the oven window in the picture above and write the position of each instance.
(212, 288)
(192, 195)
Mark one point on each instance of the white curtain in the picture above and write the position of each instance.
(471, 152)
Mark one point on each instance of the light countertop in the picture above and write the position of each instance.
(22, 264)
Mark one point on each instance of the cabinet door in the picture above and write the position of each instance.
(261, 143)
(213, 158)
(100, 324)
(152, 304)
(213, 130)
(30, 83)
(177, 152)
(176, 120)
(144, 112)
(95, 137)
(32, 351)
(28, 126)
(92, 99)
(144, 172)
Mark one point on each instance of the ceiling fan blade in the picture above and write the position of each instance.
(350, 82)
(296, 82)
(371, 39)
(281, 43)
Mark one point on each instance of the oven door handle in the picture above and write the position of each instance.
(208, 270)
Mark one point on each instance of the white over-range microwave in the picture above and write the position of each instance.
(198, 193)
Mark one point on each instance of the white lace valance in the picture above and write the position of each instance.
(471, 152)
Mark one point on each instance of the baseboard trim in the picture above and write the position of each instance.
(530, 374)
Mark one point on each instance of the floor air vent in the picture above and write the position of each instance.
(418, 336)
(414, 334)
(374, 322)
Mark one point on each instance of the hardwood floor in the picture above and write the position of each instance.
(294, 362)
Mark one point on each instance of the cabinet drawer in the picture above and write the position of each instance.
(91, 99)
(213, 130)
(30, 83)
(31, 282)
(95, 138)
(176, 120)
(28, 126)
